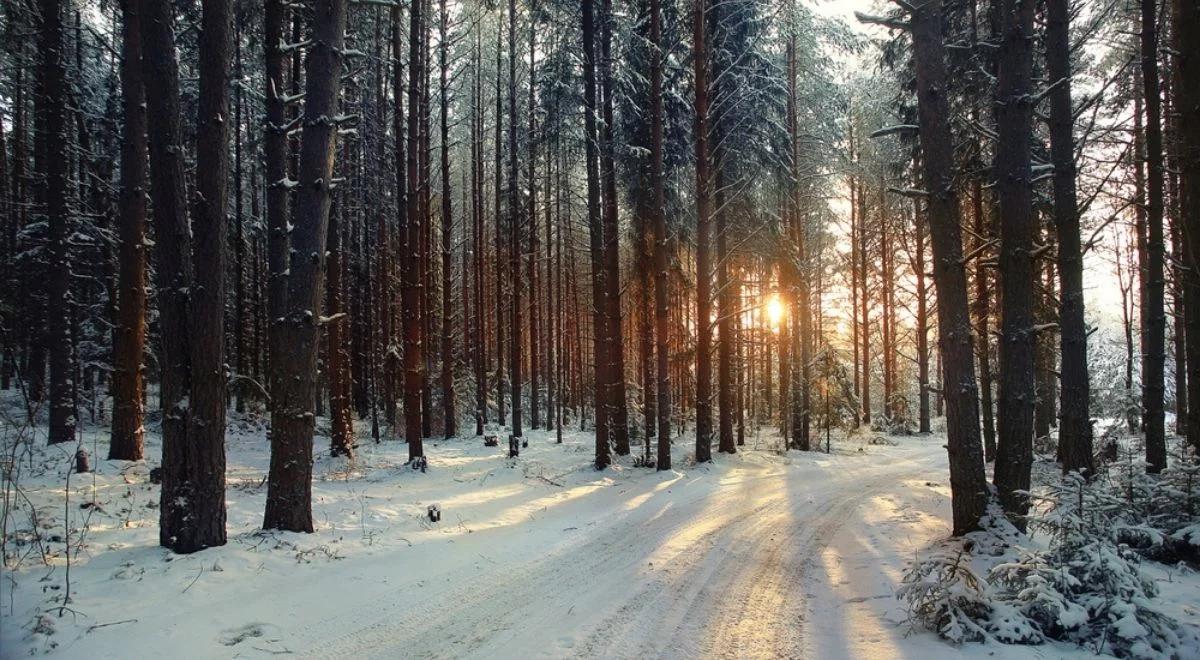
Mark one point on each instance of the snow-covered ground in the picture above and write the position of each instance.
(756, 555)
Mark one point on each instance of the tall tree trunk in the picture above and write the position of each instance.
(725, 312)
(658, 221)
(982, 321)
(498, 171)
(535, 338)
(1014, 192)
(595, 237)
(203, 468)
(240, 334)
(703, 227)
(60, 301)
(1153, 308)
(278, 184)
(481, 346)
(130, 342)
(1075, 431)
(514, 229)
(410, 253)
(173, 272)
(920, 268)
(289, 483)
(1186, 34)
(864, 300)
(968, 485)
(618, 415)
(449, 412)
(337, 358)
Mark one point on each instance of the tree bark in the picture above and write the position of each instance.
(130, 342)
(1153, 308)
(618, 412)
(60, 302)
(1075, 431)
(173, 272)
(1014, 193)
(658, 221)
(1186, 17)
(703, 225)
(595, 237)
(410, 252)
(289, 483)
(449, 411)
(968, 485)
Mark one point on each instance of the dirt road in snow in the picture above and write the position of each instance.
(692, 567)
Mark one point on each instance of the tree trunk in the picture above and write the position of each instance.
(982, 320)
(289, 484)
(969, 491)
(1186, 17)
(337, 359)
(703, 223)
(618, 415)
(278, 184)
(498, 170)
(595, 236)
(514, 229)
(173, 270)
(60, 302)
(658, 221)
(920, 268)
(1153, 307)
(1014, 193)
(203, 473)
(725, 312)
(130, 342)
(1075, 431)
(410, 252)
(449, 412)
(535, 339)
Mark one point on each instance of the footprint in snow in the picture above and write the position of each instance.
(235, 636)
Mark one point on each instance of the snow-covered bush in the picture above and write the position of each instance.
(946, 589)
(946, 596)
(1077, 579)
(1086, 587)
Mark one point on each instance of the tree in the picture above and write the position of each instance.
(600, 345)
(126, 443)
(60, 304)
(703, 227)
(289, 484)
(1186, 16)
(969, 493)
(1153, 308)
(203, 468)
(514, 229)
(410, 230)
(1014, 194)
(1075, 431)
(449, 414)
(618, 414)
(658, 220)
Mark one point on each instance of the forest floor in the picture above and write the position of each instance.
(755, 555)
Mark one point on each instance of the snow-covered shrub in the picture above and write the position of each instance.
(1083, 584)
(1087, 587)
(946, 596)
(946, 591)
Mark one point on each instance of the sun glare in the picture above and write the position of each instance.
(775, 310)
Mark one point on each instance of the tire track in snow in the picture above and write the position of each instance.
(727, 581)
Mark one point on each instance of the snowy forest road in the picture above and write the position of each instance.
(696, 565)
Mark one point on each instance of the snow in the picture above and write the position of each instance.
(755, 555)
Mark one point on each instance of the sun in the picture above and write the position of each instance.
(775, 310)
